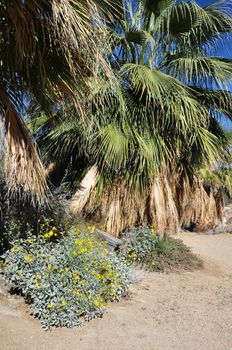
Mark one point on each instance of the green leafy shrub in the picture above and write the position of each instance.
(144, 247)
(67, 280)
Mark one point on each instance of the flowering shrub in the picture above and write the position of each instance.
(67, 280)
(146, 248)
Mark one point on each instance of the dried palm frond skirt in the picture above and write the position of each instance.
(167, 206)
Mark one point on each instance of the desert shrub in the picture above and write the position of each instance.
(17, 215)
(144, 247)
(66, 280)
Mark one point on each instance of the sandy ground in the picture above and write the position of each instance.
(185, 311)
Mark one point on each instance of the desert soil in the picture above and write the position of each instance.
(181, 311)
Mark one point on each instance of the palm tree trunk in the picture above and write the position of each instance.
(165, 206)
(80, 199)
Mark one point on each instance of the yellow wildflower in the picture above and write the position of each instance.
(37, 276)
(50, 233)
(133, 256)
(50, 306)
(28, 259)
(98, 276)
(37, 284)
(98, 302)
(64, 303)
(49, 268)
(77, 230)
(14, 250)
(79, 242)
(75, 278)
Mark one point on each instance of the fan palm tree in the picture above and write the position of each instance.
(46, 49)
(147, 140)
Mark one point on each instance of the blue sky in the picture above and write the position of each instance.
(203, 2)
(226, 53)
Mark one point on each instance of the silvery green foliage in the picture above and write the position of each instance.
(143, 246)
(66, 280)
(138, 243)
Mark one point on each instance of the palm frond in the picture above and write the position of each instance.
(202, 71)
(219, 101)
(24, 171)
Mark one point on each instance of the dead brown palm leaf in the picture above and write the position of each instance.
(47, 47)
(23, 167)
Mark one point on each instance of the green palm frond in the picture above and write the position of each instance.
(160, 107)
(160, 89)
(204, 71)
(219, 101)
(113, 144)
